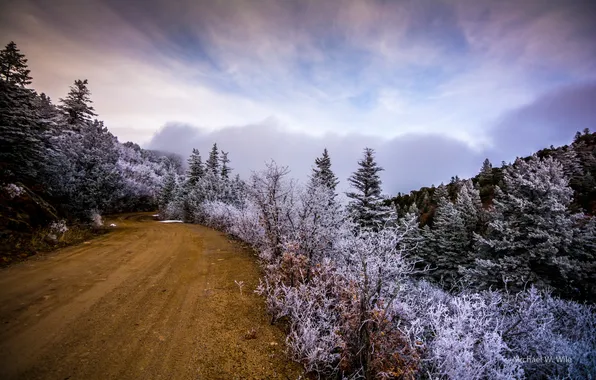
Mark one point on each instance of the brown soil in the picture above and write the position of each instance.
(147, 301)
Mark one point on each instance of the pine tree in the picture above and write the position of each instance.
(195, 168)
(486, 182)
(13, 66)
(212, 164)
(46, 110)
(168, 188)
(485, 176)
(470, 206)
(225, 169)
(22, 152)
(323, 173)
(445, 247)
(578, 267)
(366, 205)
(76, 106)
(531, 227)
(84, 173)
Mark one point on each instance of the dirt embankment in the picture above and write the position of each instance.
(147, 301)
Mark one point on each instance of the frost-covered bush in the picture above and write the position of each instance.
(247, 226)
(274, 197)
(58, 227)
(218, 215)
(96, 218)
(560, 333)
(496, 335)
(13, 190)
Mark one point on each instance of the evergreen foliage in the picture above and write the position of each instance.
(13, 66)
(213, 163)
(74, 163)
(322, 172)
(196, 171)
(22, 147)
(530, 230)
(366, 205)
(76, 107)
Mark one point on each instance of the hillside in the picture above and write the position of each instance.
(579, 159)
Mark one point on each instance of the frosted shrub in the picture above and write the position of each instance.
(96, 218)
(375, 266)
(315, 324)
(552, 337)
(173, 211)
(13, 190)
(218, 215)
(312, 309)
(274, 197)
(468, 342)
(496, 335)
(317, 223)
(246, 225)
(58, 227)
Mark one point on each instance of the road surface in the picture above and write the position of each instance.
(146, 301)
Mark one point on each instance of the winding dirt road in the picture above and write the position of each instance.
(146, 301)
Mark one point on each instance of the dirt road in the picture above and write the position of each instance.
(146, 301)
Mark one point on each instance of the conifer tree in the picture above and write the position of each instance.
(486, 181)
(470, 207)
(168, 188)
(21, 133)
(76, 106)
(486, 173)
(531, 227)
(322, 171)
(13, 66)
(195, 168)
(366, 205)
(444, 247)
(225, 168)
(212, 164)
(46, 110)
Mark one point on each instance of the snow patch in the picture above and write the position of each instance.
(112, 225)
(171, 221)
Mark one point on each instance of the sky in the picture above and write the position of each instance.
(433, 86)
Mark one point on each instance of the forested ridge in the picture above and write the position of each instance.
(530, 222)
(490, 277)
(59, 164)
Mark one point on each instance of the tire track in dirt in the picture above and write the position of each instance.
(148, 301)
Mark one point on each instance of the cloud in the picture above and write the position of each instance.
(410, 161)
(553, 118)
(387, 70)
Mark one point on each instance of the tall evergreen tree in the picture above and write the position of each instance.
(322, 171)
(13, 66)
(168, 188)
(85, 175)
(366, 205)
(195, 168)
(486, 182)
(76, 106)
(212, 164)
(225, 168)
(21, 133)
(470, 206)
